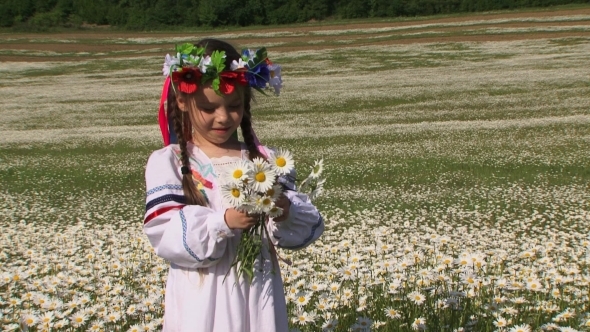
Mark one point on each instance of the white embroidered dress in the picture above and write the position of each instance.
(200, 248)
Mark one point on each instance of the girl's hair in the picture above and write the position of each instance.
(183, 128)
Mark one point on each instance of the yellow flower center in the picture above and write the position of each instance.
(260, 177)
(281, 162)
(266, 201)
(270, 192)
(235, 192)
(238, 174)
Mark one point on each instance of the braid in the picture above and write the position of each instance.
(182, 130)
(246, 126)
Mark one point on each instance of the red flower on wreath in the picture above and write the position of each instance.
(187, 79)
(229, 79)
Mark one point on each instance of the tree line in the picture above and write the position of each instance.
(161, 14)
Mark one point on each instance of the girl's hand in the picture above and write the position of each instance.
(239, 220)
(284, 203)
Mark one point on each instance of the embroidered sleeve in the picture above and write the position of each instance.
(191, 236)
(303, 227)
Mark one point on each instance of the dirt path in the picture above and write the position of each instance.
(100, 44)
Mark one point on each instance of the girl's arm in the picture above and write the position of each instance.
(190, 236)
(303, 225)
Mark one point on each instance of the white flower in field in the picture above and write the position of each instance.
(78, 319)
(281, 161)
(96, 326)
(417, 297)
(329, 325)
(334, 287)
(347, 293)
(519, 300)
(550, 327)
(131, 310)
(151, 326)
(13, 301)
(565, 315)
(238, 172)
(60, 324)
(317, 286)
(499, 299)
(302, 298)
(534, 285)
(317, 169)
(263, 176)
(463, 260)
(470, 279)
(29, 320)
(304, 318)
(232, 194)
(500, 322)
(567, 329)
(46, 318)
(112, 317)
(347, 273)
(11, 327)
(501, 283)
(134, 328)
(296, 273)
(40, 299)
(419, 324)
(520, 328)
(392, 313)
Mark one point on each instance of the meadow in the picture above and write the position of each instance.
(456, 151)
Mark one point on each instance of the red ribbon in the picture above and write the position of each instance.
(162, 116)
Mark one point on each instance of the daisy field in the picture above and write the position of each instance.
(457, 194)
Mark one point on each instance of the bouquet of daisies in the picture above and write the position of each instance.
(253, 187)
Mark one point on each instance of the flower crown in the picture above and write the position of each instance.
(192, 67)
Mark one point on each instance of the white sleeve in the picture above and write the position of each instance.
(303, 226)
(191, 236)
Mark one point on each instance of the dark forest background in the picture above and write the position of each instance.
(163, 14)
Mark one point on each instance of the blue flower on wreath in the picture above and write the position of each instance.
(258, 76)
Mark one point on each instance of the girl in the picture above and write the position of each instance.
(187, 221)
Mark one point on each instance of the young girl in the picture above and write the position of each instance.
(186, 219)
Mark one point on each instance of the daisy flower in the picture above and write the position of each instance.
(392, 313)
(534, 285)
(233, 194)
(302, 298)
(417, 297)
(264, 204)
(567, 329)
(274, 192)
(264, 176)
(282, 161)
(275, 211)
(78, 319)
(520, 328)
(30, 320)
(500, 322)
(238, 172)
(317, 169)
(304, 318)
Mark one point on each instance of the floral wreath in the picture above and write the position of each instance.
(191, 67)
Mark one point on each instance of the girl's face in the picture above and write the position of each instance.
(214, 118)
